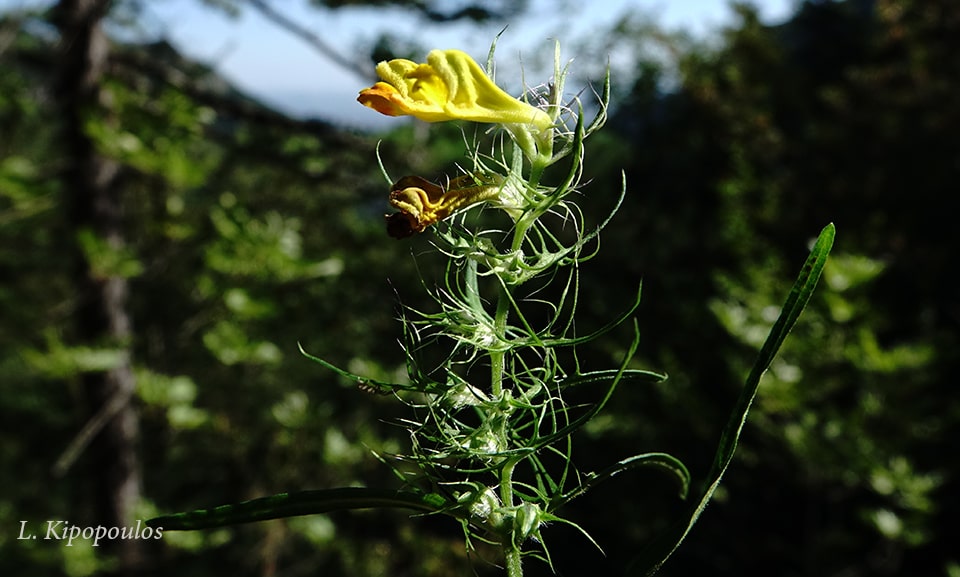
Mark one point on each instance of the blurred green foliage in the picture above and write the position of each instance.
(249, 234)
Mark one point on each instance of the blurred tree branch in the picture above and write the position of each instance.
(135, 64)
(478, 12)
(313, 40)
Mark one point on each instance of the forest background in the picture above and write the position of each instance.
(167, 241)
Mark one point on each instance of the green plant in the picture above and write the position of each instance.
(493, 371)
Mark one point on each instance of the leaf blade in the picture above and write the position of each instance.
(656, 553)
(296, 504)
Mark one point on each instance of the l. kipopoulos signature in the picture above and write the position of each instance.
(61, 530)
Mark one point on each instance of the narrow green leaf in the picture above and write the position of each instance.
(627, 376)
(796, 301)
(296, 504)
(656, 553)
(565, 342)
(381, 386)
(661, 460)
(614, 379)
(576, 163)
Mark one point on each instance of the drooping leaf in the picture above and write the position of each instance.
(296, 504)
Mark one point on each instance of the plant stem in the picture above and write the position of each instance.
(498, 357)
(511, 549)
(513, 562)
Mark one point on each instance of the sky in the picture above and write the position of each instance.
(270, 64)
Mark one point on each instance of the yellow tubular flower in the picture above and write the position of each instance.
(422, 203)
(450, 86)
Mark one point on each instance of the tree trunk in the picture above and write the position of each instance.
(94, 206)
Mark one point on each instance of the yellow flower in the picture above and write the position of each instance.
(422, 203)
(450, 86)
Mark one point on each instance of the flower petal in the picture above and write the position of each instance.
(421, 203)
(383, 98)
(449, 86)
